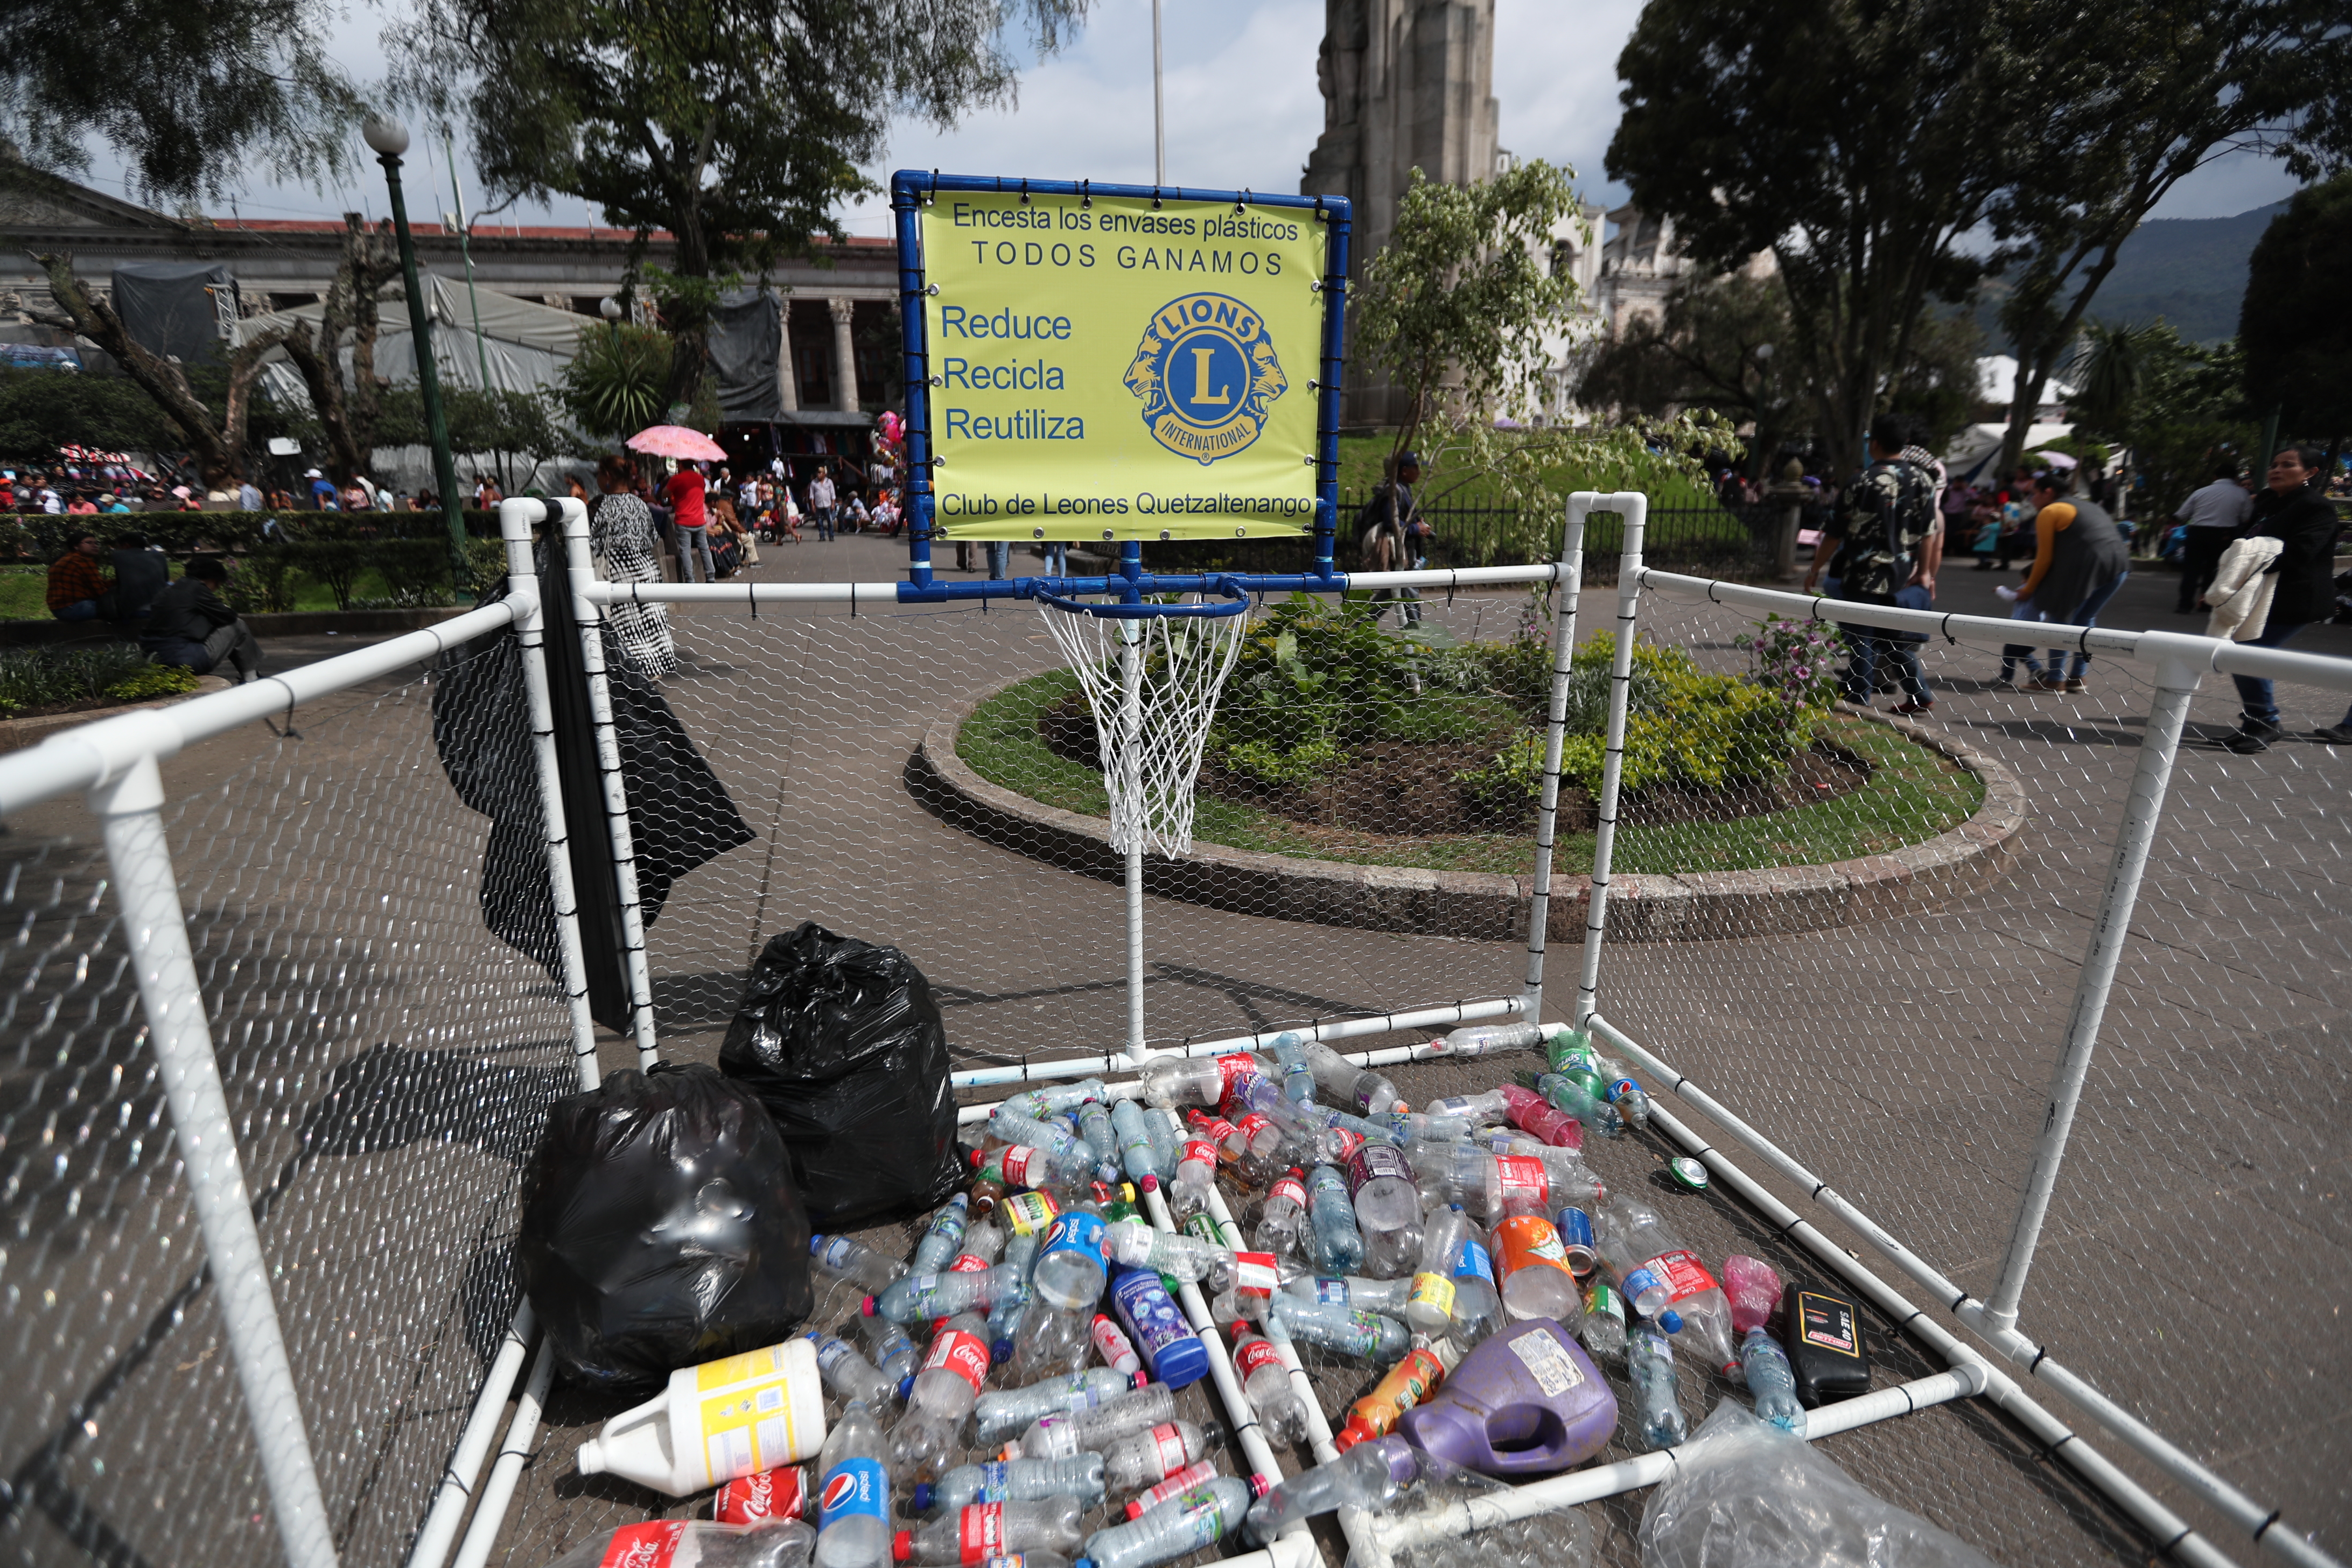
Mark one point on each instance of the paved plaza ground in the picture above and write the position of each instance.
(387, 1056)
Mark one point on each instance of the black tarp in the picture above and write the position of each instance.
(681, 816)
(747, 334)
(167, 307)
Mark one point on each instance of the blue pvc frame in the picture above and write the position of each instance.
(913, 189)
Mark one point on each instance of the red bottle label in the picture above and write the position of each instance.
(1250, 1126)
(1256, 1271)
(1252, 1354)
(1684, 1273)
(1232, 1070)
(644, 1545)
(1289, 1187)
(966, 1355)
(781, 1493)
(980, 1533)
(1022, 1165)
(1526, 1187)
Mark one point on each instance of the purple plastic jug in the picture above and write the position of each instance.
(1527, 1402)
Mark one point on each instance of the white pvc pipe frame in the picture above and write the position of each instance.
(115, 761)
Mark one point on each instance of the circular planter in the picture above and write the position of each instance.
(17, 733)
(1686, 905)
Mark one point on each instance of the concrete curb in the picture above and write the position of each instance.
(16, 734)
(1487, 906)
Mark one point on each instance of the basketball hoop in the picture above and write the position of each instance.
(1151, 673)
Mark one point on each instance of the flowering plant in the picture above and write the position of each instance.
(1793, 660)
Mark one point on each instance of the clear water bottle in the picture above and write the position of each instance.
(1194, 1081)
(1579, 1095)
(1603, 1328)
(983, 1242)
(943, 1393)
(981, 1531)
(1138, 1245)
(1265, 1382)
(1000, 1415)
(1282, 1221)
(1477, 1302)
(1142, 1460)
(1166, 1130)
(893, 1353)
(1059, 1433)
(1564, 1169)
(1015, 1480)
(770, 1543)
(1657, 1271)
(854, 1523)
(847, 1258)
(1037, 1132)
(1415, 1126)
(1369, 1336)
(1184, 1523)
(1772, 1381)
(1428, 1307)
(944, 1239)
(1046, 1100)
(850, 1375)
(1368, 1475)
(926, 1298)
(1338, 1243)
(1484, 1108)
(1478, 1039)
(1388, 1210)
(1657, 1402)
(1136, 1154)
(1344, 1083)
(1075, 1261)
(1020, 1254)
(1094, 1126)
(1049, 1340)
(1290, 1070)
(1364, 1295)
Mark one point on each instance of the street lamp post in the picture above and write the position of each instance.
(389, 139)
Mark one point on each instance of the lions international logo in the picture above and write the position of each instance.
(1205, 370)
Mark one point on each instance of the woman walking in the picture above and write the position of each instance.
(2079, 558)
(621, 531)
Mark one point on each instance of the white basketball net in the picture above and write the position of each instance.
(1153, 686)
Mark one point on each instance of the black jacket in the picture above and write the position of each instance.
(187, 610)
(2305, 524)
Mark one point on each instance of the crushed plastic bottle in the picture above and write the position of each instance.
(1048, 1100)
(1195, 1080)
(927, 1298)
(1479, 1039)
(853, 1504)
(1369, 1477)
(1142, 1460)
(1140, 1245)
(1361, 1089)
(1166, 1130)
(1753, 1288)
(998, 1414)
(1265, 1382)
(1049, 1338)
(1771, 1382)
(1282, 1225)
(1035, 1132)
(1136, 1154)
(1060, 1434)
(1484, 1109)
(1291, 1071)
(1369, 1336)
(1339, 1243)
(1657, 1271)
(943, 1393)
(1658, 1420)
(987, 1529)
(1542, 1120)
(893, 1353)
(1428, 1307)
(1477, 1304)
(1415, 1126)
(1015, 1480)
(944, 1239)
(1094, 1126)
(850, 1375)
(1020, 1254)
(1184, 1523)
(1579, 1095)
(1491, 1187)
(1537, 1280)
(847, 1258)
(697, 1543)
(1018, 1165)
(1603, 1328)
(1388, 1296)
(1388, 1210)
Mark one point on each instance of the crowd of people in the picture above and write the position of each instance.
(2263, 570)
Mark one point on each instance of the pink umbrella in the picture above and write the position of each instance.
(677, 441)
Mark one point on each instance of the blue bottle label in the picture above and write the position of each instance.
(1641, 1282)
(996, 1482)
(1333, 1291)
(853, 1487)
(1078, 1232)
(1474, 1262)
(1149, 1313)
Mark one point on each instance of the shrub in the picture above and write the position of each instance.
(46, 677)
(1314, 678)
(155, 680)
(1683, 726)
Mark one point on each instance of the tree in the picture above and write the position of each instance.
(1859, 143)
(2292, 327)
(217, 439)
(736, 125)
(2158, 91)
(42, 410)
(348, 417)
(191, 95)
(2176, 405)
(619, 380)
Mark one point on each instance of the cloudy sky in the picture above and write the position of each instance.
(1243, 110)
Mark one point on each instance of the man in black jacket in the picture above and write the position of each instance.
(190, 627)
(2296, 512)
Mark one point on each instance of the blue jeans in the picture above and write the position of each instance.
(823, 516)
(1058, 558)
(999, 560)
(79, 610)
(2012, 653)
(694, 563)
(2085, 614)
(2254, 692)
(1868, 645)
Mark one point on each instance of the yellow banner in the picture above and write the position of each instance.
(1108, 370)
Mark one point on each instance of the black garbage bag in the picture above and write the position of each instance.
(681, 816)
(661, 1227)
(841, 1042)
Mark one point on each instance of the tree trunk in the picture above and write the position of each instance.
(349, 416)
(217, 444)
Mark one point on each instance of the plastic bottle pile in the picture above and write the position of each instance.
(1464, 1248)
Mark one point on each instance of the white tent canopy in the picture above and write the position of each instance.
(1974, 452)
(526, 346)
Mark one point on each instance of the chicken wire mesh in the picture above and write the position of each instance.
(388, 1065)
(1895, 1025)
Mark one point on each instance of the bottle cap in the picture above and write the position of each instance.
(1140, 1377)
(923, 1497)
(866, 1307)
(817, 1239)
(1260, 1485)
(902, 1546)
(905, 1387)
(1349, 1436)
(999, 1352)
(1671, 1320)
(1150, 1184)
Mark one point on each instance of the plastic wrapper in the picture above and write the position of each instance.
(1561, 1539)
(1745, 1494)
(661, 1227)
(842, 1041)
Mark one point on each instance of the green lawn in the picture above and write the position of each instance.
(1913, 795)
(1360, 469)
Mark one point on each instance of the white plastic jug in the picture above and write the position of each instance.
(735, 1416)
